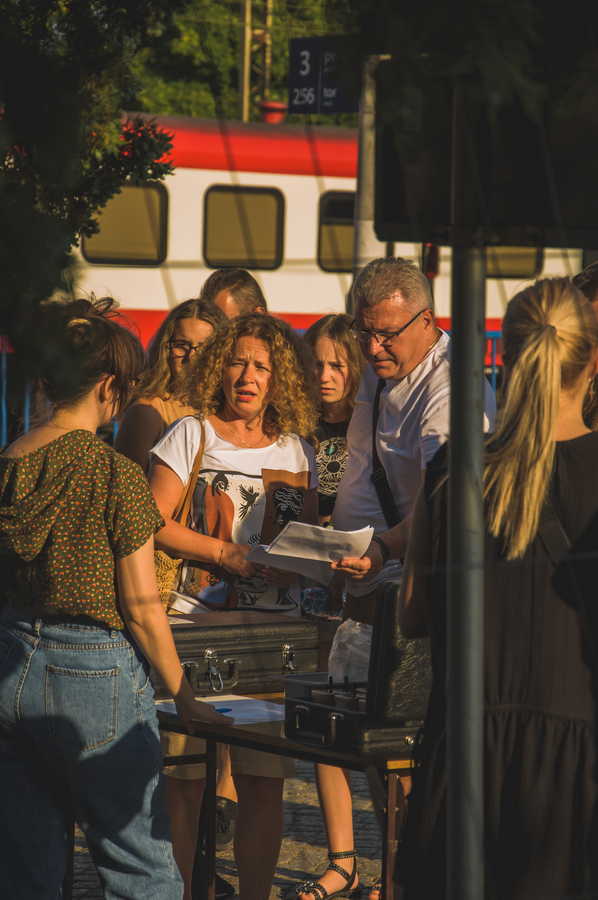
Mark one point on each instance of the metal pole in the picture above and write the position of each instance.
(465, 576)
(245, 66)
(365, 243)
(267, 49)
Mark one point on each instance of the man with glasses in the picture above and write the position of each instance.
(400, 419)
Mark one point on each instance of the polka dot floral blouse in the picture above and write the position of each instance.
(67, 511)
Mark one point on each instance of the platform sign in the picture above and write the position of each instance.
(320, 78)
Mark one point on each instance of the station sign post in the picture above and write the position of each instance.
(319, 80)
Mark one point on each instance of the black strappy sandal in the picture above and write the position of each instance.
(319, 891)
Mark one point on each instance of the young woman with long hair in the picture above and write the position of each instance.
(539, 613)
(339, 363)
(156, 403)
(80, 623)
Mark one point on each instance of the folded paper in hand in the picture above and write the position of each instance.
(309, 549)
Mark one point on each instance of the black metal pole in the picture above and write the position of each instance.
(465, 806)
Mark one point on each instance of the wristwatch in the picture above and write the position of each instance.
(384, 551)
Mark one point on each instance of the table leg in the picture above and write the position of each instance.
(396, 807)
(389, 848)
(69, 874)
(210, 818)
(378, 794)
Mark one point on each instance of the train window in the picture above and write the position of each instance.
(335, 232)
(514, 262)
(132, 228)
(243, 226)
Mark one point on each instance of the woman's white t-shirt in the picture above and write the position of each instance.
(243, 495)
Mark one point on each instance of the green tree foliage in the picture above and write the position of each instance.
(190, 66)
(65, 67)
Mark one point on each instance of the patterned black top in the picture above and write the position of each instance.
(331, 460)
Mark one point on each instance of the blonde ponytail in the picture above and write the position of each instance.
(549, 333)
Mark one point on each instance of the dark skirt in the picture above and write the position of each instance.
(540, 811)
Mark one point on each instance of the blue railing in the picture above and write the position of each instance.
(493, 367)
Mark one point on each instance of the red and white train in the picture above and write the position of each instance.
(275, 199)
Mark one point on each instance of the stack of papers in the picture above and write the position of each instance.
(309, 549)
(242, 710)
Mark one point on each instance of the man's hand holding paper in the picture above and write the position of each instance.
(310, 550)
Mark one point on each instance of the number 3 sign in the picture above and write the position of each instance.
(318, 82)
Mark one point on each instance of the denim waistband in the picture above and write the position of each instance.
(33, 621)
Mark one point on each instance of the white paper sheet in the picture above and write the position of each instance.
(182, 619)
(242, 710)
(309, 549)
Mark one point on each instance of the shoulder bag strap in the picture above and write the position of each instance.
(378, 476)
(181, 512)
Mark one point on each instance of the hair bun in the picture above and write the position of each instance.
(80, 334)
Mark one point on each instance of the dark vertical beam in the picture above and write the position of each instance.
(465, 575)
(210, 801)
(366, 245)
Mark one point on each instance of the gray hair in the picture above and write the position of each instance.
(383, 277)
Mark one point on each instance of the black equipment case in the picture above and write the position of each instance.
(384, 713)
(245, 652)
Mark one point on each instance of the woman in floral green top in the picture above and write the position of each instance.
(80, 624)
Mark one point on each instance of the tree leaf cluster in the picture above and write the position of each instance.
(191, 65)
(66, 67)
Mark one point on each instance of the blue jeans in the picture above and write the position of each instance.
(79, 740)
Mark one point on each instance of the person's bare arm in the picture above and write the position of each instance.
(147, 622)
(414, 597)
(140, 429)
(182, 542)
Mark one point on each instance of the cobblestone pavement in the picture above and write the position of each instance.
(303, 850)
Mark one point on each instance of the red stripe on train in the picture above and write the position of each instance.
(145, 322)
(286, 149)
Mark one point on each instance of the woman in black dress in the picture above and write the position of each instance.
(540, 785)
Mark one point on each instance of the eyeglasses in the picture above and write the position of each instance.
(182, 348)
(364, 335)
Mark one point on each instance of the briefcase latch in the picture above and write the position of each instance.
(214, 677)
(198, 673)
(288, 657)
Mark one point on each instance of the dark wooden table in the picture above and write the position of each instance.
(383, 771)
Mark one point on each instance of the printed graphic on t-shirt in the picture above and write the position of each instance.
(243, 508)
(331, 460)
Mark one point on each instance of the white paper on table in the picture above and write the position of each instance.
(242, 710)
(183, 619)
(309, 549)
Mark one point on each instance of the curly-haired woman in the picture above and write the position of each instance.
(254, 411)
(157, 403)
